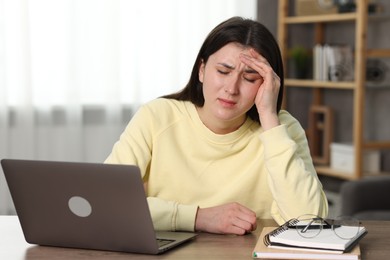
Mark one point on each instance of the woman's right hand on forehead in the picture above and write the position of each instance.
(267, 95)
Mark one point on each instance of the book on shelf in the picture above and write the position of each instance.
(333, 62)
(284, 242)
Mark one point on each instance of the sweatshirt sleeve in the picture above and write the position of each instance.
(292, 178)
(135, 143)
(172, 216)
(134, 147)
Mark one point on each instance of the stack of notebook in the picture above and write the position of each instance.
(285, 243)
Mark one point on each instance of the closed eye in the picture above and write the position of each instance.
(252, 76)
(223, 72)
(224, 68)
(250, 80)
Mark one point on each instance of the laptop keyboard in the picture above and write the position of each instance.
(162, 242)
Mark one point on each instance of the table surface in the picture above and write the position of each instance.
(375, 245)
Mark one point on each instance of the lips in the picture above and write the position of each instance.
(227, 102)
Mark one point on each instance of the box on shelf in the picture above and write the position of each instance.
(342, 157)
(312, 7)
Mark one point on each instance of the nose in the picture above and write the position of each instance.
(233, 85)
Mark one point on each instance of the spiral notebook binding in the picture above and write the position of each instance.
(279, 230)
(284, 227)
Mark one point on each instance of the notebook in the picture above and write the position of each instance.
(326, 239)
(85, 205)
(263, 251)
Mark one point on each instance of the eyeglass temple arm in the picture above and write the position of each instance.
(327, 225)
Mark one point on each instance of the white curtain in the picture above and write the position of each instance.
(73, 71)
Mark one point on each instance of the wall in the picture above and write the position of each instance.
(377, 120)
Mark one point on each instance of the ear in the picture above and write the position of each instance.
(201, 71)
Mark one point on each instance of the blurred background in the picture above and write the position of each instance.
(72, 72)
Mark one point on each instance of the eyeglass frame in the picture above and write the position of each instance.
(318, 218)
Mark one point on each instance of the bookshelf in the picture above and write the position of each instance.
(360, 20)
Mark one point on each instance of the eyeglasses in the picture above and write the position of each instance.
(309, 226)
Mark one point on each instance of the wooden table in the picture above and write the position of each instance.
(374, 246)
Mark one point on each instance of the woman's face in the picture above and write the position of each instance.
(229, 89)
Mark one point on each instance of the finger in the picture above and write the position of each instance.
(253, 53)
(248, 215)
(258, 56)
(243, 224)
(262, 67)
(251, 220)
(236, 230)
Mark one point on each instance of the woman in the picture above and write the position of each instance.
(220, 153)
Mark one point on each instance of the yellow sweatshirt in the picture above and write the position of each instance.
(185, 165)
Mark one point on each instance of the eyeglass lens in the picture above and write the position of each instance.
(346, 227)
(310, 226)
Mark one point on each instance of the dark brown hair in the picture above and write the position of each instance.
(246, 32)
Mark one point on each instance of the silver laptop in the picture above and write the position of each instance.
(85, 205)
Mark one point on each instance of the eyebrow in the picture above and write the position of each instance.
(226, 65)
(248, 70)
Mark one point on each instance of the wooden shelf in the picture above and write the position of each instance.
(375, 53)
(377, 145)
(328, 171)
(360, 20)
(331, 18)
(326, 18)
(318, 84)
